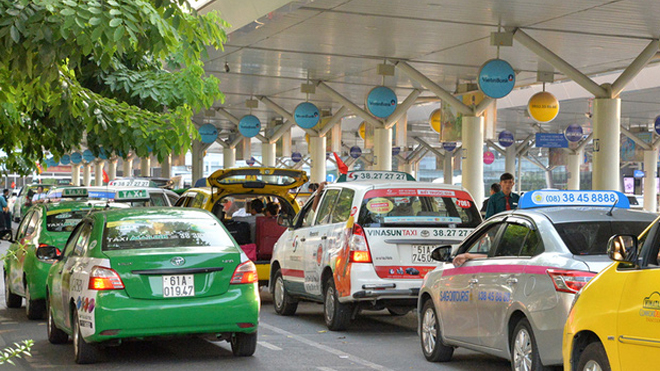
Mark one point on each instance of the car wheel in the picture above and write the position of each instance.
(432, 346)
(284, 304)
(34, 309)
(83, 352)
(11, 300)
(55, 335)
(594, 358)
(337, 315)
(243, 345)
(524, 350)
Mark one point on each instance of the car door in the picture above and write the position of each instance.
(55, 276)
(458, 300)
(18, 249)
(71, 269)
(290, 250)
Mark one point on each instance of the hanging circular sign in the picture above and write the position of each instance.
(543, 107)
(355, 152)
(66, 159)
(103, 155)
(506, 138)
(449, 146)
(76, 158)
(363, 130)
(496, 78)
(573, 133)
(306, 115)
(249, 126)
(88, 156)
(396, 151)
(489, 157)
(435, 121)
(296, 157)
(657, 125)
(208, 132)
(250, 161)
(381, 101)
(50, 162)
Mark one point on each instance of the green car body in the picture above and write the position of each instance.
(171, 272)
(47, 224)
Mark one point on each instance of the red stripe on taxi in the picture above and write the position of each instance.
(403, 272)
(293, 273)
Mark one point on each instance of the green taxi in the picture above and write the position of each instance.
(148, 272)
(45, 224)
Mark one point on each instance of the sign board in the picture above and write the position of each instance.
(639, 174)
(249, 126)
(65, 160)
(88, 156)
(296, 157)
(353, 176)
(496, 78)
(131, 183)
(50, 162)
(132, 194)
(250, 161)
(657, 125)
(396, 151)
(449, 146)
(306, 115)
(355, 152)
(543, 107)
(76, 158)
(542, 198)
(506, 138)
(381, 101)
(573, 133)
(551, 140)
(74, 192)
(489, 157)
(435, 120)
(208, 132)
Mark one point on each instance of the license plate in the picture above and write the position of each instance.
(178, 286)
(421, 254)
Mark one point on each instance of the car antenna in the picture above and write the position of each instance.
(609, 213)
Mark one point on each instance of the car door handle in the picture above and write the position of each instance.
(324, 237)
(473, 282)
(511, 281)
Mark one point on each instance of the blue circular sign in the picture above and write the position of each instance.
(50, 162)
(103, 155)
(381, 101)
(657, 125)
(496, 78)
(296, 157)
(208, 132)
(250, 161)
(76, 158)
(506, 138)
(355, 152)
(449, 146)
(249, 126)
(306, 115)
(88, 156)
(396, 151)
(65, 160)
(573, 133)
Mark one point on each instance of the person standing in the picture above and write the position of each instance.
(494, 188)
(505, 199)
(6, 215)
(40, 196)
(5, 208)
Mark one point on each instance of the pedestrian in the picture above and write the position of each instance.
(505, 199)
(272, 209)
(494, 188)
(40, 196)
(3, 220)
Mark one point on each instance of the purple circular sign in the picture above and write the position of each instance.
(573, 132)
(355, 152)
(506, 138)
(250, 161)
(489, 157)
(657, 125)
(396, 151)
(449, 146)
(296, 157)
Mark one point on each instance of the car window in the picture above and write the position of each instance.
(305, 216)
(82, 241)
(342, 209)
(590, 238)
(23, 226)
(198, 201)
(64, 220)
(71, 242)
(327, 203)
(533, 244)
(158, 199)
(512, 240)
(485, 241)
(34, 222)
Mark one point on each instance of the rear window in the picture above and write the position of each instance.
(590, 238)
(65, 221)
(254, 177)
(415, 207)
(163, 233)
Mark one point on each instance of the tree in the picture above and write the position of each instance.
(122, 74)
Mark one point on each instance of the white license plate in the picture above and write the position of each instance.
(421, 254)
(178, 286)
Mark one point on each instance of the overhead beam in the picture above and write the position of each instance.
(483, 105)
(584, 142)
(335, 119)
(284, 113)
(430, 148)
(352, 106)
(494, 146)
(641, 143)
(280, 131)
(402, 108)
(635, 67)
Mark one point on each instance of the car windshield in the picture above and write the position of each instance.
(418, 207)
(590, 238)
(64, 220)
(163, 233)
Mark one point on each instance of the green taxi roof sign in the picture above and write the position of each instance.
(361, 175)
(132, 195)
(74, 192)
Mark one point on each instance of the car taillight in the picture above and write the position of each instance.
(102, 278)
(358, 246)
(245, 273)
(568, 280)
(46, 245)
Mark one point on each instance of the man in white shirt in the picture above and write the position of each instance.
(40, 196)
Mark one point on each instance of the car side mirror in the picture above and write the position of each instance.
(284, 220)
(442, 254)
(48, 253)
(623, 248)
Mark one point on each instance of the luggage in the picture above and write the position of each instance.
(239, 230)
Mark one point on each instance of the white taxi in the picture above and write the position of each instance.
(367, 245)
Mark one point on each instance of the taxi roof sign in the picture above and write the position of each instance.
(74, 192)
(360, 175)
(551, 197)
(132, 195)
(131, 183)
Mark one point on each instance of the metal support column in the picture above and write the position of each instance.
(75, 174)
(87, 174)
(198, 149)
(573, 182)
(98, 172)
(473, 157)
(269, 154)
(145, 166)
(335, 139)
(448, 168)
(112, 168)
(166, 167)
(228, 157)
(247, 149)
(651, 171)
(510, 159)
(286, 143)
(127, 166)
(606, 124)
(317, 154)
(383, 149)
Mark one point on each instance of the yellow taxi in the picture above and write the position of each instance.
(614, 323)
(230, 196)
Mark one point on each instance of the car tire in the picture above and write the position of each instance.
(83, 353)
(594, 357)
(524, 350)
(11, 300)
(430, 336)
(337, 315)
(243, 345)
(284, 303)
(55, 335)
(34, 309)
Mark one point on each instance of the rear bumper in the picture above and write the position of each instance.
(376, 294)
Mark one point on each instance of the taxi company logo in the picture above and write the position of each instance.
(378, 103)
(652, 301)
(391, 233)
(307, 115)
(319, 255)
(497, 80)
(425, 233)
(178, 261)
(85, 304)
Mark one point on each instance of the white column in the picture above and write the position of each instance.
(112, 168)
(317, 154)
(573, 182)
(145, 166)
(197, 160)
(247, 148)
(607, 132)
(98, 172)
(401, 138)
(473, 157)
(519, 178)
(286, 143)
(269, 154)
(228, 157)
(407, 168)
(650, 172)
(87, 174)
(127, 166)
(510, 159)
(75, 174)
(548, 179)
(448, 168)
(383, 149)
(166, 167)
(335, 139)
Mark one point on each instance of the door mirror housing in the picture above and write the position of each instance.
(442, 254)
(623, 248)
(48, 252)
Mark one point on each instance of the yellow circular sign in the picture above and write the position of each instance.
(363, 130)
(543, 107)
(435, 120)
(380, 205)
(307, 138)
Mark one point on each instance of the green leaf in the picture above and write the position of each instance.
(115, 22)
(94, 21)
(67, 12)
(119, 33)
(15, 35)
